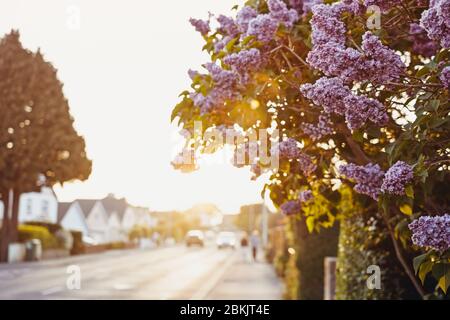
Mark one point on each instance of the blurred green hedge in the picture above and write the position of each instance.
(364, 241)
(29, 232)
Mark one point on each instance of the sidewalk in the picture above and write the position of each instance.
(246, 280)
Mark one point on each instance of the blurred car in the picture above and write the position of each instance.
(226, 239)
(195, 237)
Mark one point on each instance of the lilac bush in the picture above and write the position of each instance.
(338, 92)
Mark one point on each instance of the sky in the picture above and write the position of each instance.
(123, 64)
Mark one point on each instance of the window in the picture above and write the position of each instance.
(44, 207)
(29, 207)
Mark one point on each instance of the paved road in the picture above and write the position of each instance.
(167, 273)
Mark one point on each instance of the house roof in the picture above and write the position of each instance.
(86, 205)
(113, 204)
(63, 207)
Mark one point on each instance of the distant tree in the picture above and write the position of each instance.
(37, 137)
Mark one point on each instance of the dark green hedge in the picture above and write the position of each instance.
(312, 248)
(364, 241)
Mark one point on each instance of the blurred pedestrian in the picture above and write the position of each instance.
(244, 241)
(254, 242)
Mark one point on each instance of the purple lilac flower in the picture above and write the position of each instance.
(297, 5)
(368, 178)
(421, 43)
(263, 27)
(292, 207)
(329, 93)
(326, 25)
(309, 4)
(396, 178)
(436, 21)
(378, 63)
(385, 5)
(289, 149)
(219, 45)
(227, 26)
(244, 16)
(225, 88)
(305, 164)
(334, 97)
(280, 12)
(385, 64)
(244, 61)
(361, 108)
(431, 232)
(324, 127)
(306, 196)
(201, 26)
(334, 60)
(445, 77)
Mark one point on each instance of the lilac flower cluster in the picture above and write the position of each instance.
(431, 232)
(361, 108)
(292, 207)
(396, 178)
(288, 149)
(385, 5)
(263, 27)
(280, 12)
(326, 25)
(225, 88)
(384, 64)
(421, 43)
(305, 164)
(368, 178)
(324, 127)
(329, 93)
(445, 77)
(335, 97)
(309, 4)
(377, 63)
(436, 21)
(227, 26)
(201, 26)
(245, 61)
(244, 16)
(306, 196)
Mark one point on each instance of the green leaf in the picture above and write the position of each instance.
(423, 71)
(310, 224)
(424, 269)
(441, 271)
(406, 209)
(419, 260)
(409, 190)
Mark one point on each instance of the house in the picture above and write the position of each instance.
(115, 209)
(144, 218)
(96, 219)
(71, 217)
(37, 206)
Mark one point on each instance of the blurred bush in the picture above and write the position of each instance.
(29, 232)
(363, 241)
(298, 257)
